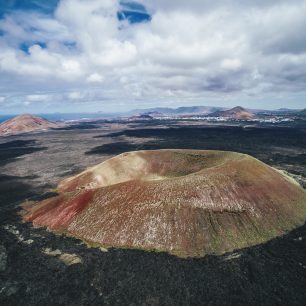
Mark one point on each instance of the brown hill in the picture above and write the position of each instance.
(142, 117)
(185, 202)
(238, 113)
(25, 123)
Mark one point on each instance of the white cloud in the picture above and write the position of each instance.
(231, 64)
(37, 98)
(95, 78)
(189, 50)
(75, 95)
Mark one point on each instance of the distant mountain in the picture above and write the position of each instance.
(238, 113)
(302, 113)
(204, 110)
(184, 110)
(140, 117)
(153, 114)
(24, 124)
(284, 109)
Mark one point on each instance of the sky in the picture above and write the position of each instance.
(114, 56)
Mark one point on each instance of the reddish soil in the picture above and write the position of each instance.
(25, 124)
(185, 202)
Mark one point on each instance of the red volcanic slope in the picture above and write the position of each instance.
(185, 202)
(24, 124)
(237, 112)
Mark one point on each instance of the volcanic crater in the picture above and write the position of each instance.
(185, 202)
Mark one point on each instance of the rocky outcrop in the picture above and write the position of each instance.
(66, 258)
(185, 202)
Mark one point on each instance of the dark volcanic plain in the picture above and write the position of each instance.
(40, 268)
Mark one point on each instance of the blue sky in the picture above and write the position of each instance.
(9, 6)
(104, 55)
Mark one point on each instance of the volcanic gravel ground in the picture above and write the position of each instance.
(31, 165)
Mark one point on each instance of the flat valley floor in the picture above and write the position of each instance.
(40, 268)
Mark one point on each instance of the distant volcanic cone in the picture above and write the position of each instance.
(237, 113)
(24, 124)
(185, 202)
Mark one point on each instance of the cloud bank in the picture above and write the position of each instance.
(96, 55)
